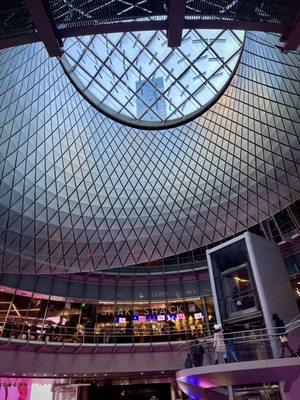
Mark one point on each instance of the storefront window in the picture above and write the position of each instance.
(158, 292)
(5, 305)
(36, 318)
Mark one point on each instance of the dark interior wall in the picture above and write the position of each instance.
(130, 392)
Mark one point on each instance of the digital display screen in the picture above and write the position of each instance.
(25, 389)
(171, 316)
(198, 315)
(120, 320)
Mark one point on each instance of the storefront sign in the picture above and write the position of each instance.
(127, 311)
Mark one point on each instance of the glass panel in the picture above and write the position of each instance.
(17, 316)
(5, 304)
(238, 289)
(285, 223)
(138, 79)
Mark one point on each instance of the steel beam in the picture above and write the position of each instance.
(176, 13)
(19, 40)
(238, 25)
(291, 37)
(44, 26)
(134, 26)
(114, 27)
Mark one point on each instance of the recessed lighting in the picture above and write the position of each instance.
(105, 374)
(142, 373)
(162, 372)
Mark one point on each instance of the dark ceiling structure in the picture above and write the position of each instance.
(49, 21)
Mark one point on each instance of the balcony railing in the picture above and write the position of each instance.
(247, 345)
(246, 300)
(110, 335)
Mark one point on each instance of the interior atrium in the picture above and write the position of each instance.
(149, 200)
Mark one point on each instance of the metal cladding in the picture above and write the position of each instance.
(80, 192)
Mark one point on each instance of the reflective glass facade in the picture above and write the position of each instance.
(82, 193)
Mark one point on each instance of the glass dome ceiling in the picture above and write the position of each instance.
(80, 192)
(135, 78)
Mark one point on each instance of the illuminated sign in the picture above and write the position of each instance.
(171, 316)
(128, 311)
(120, 320)
(198, 315)
(192, 307)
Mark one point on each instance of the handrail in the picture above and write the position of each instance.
(251, 336)
(77, 335)
(257, 344)
(113, 334)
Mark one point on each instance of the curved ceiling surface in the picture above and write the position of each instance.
(136, 79)
(80, 192)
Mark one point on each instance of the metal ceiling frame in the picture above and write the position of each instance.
(176, 21)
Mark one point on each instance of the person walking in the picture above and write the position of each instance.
(228, 334)
(282, 335)
(219, 344)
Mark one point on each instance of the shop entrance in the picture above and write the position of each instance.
(130, 392)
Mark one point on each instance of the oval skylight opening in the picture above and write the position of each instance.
(136, 79)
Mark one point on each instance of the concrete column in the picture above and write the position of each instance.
(230, 393)
(176, 393)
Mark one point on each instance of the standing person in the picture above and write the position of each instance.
(236, 300)
(33, 331)
(228, 333)
(7, 329)
(188, 361)
(48, 334)
(197, 352)
(282, 335)
(219, 344)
